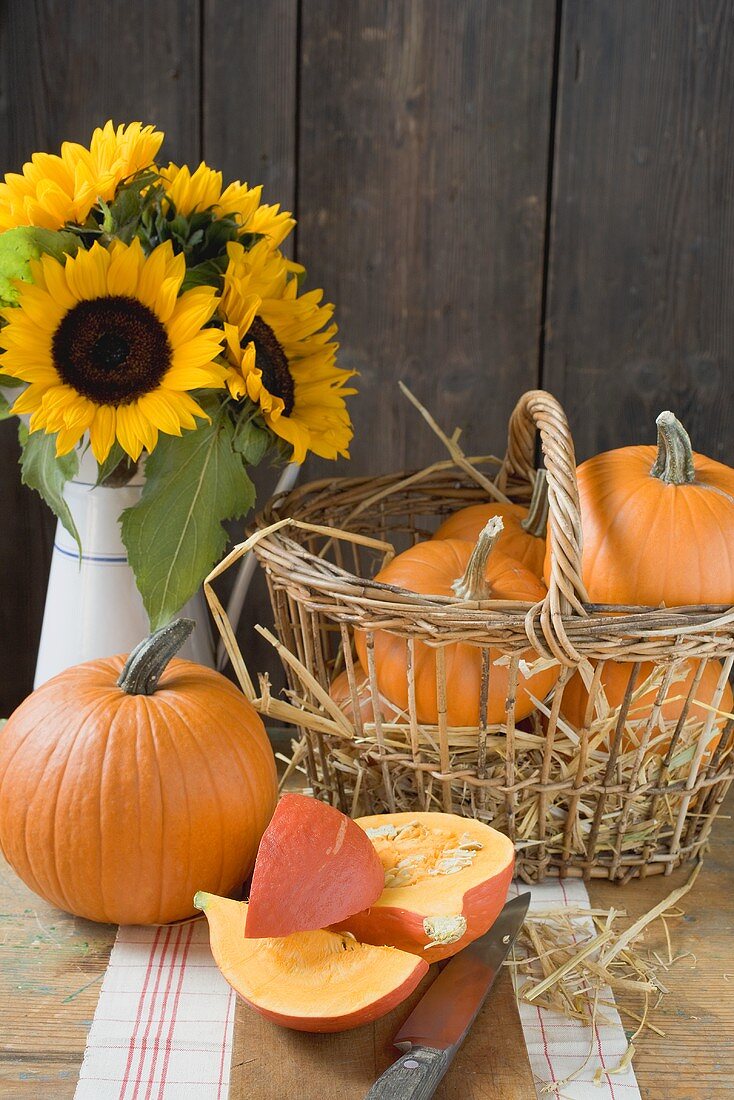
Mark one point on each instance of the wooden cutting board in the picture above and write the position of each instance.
(273, 1063)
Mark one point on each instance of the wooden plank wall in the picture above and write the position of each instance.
(498, 194)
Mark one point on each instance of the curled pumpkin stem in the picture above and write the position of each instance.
(474, 584)
(536, 521)
(674, 461)
(147, 662)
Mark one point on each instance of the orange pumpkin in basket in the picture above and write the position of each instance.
(523, 534)
(658, 524)
(614, 680)
(450, 567)
(341, 692)
(126, 786)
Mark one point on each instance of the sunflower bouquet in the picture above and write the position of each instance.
(148, 313)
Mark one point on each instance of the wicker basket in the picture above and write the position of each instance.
(578, 802)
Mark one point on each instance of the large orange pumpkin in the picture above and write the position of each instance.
(125, 787)
(658, 525)
(614, 680)
(451, 567)
(523, 535)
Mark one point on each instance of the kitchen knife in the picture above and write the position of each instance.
(440, 1021)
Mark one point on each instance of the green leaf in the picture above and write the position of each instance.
(252, 441)
(208, 273)
(43, 471)
(174, 535)
(5, 412)
(19, 246)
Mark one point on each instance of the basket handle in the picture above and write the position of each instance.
(538, 411)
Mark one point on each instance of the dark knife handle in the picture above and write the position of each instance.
(415, 1076)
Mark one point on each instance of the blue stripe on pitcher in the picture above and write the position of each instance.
(97, 559)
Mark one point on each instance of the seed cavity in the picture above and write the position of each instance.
(443, 930)
(414, 852)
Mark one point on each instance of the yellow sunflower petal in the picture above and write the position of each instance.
(102, 432)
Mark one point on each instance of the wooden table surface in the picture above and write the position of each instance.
(52, 964)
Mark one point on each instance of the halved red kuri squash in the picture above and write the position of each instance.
(310, 981)
(314, 867)
(446, 880)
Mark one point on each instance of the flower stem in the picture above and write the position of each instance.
(674, 462)
(474, 584)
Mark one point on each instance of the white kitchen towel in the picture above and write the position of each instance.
(557, 1046)
(163, 1025)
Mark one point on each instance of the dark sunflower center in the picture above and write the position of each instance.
(271, 360)
(112, 350)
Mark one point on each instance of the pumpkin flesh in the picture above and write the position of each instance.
(446, 881)
(317, 981)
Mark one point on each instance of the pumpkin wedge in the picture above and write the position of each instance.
(314, 867)
(446, 880)
(310, 981)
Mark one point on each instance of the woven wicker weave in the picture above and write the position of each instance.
(574, 801)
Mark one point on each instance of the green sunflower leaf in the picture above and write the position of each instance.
(19, 246)
(43, 471)
(252, 441)
(208, 273)
(174, 535)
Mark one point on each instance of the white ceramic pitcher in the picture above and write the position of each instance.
(93, 607)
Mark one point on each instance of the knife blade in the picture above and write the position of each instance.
(441, 1020)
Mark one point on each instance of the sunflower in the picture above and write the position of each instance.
(107, 346)
(53, 190)
(202, 190)
(281, 352)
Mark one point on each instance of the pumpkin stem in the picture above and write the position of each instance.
(474, 584)
(536, 520)
(146, 663)
(674, 462)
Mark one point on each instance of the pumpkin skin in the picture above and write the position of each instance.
(515, 541)
(341, 693)
(455, 907)
(615, 679)
(313, 867)
(316, 981)
(657, 538)
(118, 807)
(430, 568)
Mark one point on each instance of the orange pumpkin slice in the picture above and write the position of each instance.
(310, 981)
(446, 880)
(314, 867)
